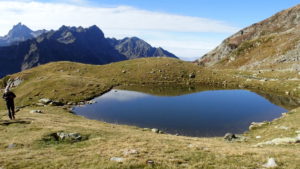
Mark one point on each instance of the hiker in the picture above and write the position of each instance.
(9, 98)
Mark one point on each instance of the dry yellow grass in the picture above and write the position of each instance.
(109, 140)
(66, 82)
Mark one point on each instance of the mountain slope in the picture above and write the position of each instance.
(269, 44)
(134, 48)
(19, 33)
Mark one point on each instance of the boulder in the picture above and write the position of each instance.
(64, 137)
(45, 101)
(155, 130)
(229, 137)
(270, 164)
(234, 137)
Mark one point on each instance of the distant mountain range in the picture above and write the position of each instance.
(134, 48)
(23, 48)
(272, 44)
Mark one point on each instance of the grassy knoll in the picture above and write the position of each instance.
(73, 82)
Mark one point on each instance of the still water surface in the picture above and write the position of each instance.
(206, 113)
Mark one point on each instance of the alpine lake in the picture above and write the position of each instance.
(189, 111)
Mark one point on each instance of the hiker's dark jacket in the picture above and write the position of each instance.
(9, 97)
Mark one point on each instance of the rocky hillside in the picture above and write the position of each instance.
(19, 33)
(273, 43)
(134, 48)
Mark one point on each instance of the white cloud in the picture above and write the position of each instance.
(117, 22)
(121, 95)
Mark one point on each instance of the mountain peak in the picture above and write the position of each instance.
(20, 30)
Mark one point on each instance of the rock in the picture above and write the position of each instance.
(255, 125)
(62, 136)
(12, 145)
(258, 137)
(45, 101)
(192, 75)
(56, 103)
(160, 132)
(297, 132)
(91, 102)
(270, 164)
(234, 137)
(155, 130)
(123, 71)
(130, 152)
(70, 103)
(35, 111)
(229, 137)
(39, 104)
(14, 82)
(117, 159)
(150, 162)
(278, 141)
(282, 127)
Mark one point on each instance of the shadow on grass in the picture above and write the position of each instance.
(9, 122)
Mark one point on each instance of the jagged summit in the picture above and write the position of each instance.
(270, 44)
(19, 33)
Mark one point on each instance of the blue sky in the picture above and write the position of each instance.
(237, 12)
(187, 28)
